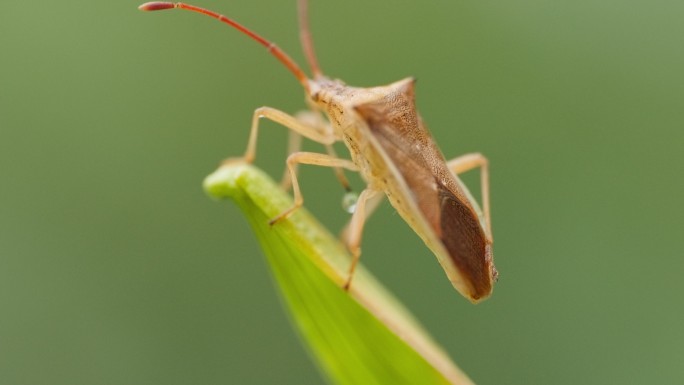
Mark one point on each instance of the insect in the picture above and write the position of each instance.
(395, 155)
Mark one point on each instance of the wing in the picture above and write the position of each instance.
(427, 194)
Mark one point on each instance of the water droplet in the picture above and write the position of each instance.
(349, 201)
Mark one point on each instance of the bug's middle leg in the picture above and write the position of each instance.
(314, 120)
(308, 158)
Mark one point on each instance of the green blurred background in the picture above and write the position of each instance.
(115, 268)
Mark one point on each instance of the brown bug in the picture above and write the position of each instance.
(394, 153)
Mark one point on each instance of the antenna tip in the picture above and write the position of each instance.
(156, 6)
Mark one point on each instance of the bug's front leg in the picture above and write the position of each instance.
(308, 158)
(468, 162)
(325, 137)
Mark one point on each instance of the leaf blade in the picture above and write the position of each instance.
(354, 336)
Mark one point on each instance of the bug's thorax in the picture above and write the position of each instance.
(338, 100)
(343, 105)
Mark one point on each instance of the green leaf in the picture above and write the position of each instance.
(364, 336)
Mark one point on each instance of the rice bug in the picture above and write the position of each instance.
(394, 153)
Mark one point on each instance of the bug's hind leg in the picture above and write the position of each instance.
(367, 202)
(471, 161)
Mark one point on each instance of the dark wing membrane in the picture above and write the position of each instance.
(466, 243)
(397, 128)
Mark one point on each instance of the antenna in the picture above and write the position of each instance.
(272, 48)
(305, 38)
